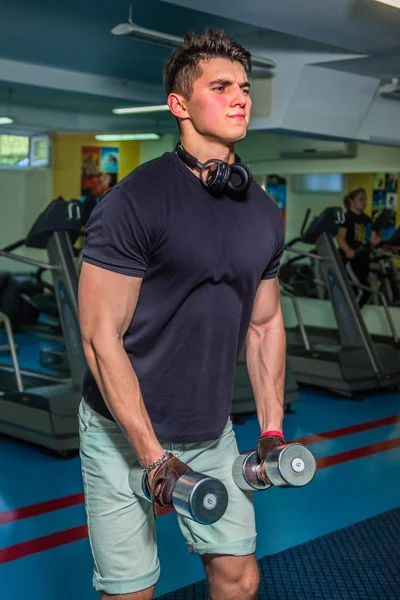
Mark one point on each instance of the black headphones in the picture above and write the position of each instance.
(219, 177)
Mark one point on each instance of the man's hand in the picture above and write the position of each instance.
(161, 481)
(264, 446)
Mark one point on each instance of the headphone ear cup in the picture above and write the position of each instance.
(217, 176)
(240, 179)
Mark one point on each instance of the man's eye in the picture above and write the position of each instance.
(246, 91)
(219, 88)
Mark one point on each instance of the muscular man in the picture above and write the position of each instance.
(180, 269)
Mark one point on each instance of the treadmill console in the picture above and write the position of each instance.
(394, 240)
(60, 215)
(328, 221)
(383, 219)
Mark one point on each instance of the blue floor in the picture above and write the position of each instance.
(341, 495)
(359, 562)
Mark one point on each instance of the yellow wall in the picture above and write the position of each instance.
(67, 160)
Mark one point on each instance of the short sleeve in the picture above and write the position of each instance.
(347, 221)
(273, 267)
(115, 238)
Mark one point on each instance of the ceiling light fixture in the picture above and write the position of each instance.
(132, 30)
(136, 110)
(6, 121)
(393, 3)
(118, 137)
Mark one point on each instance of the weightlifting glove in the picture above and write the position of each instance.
(164, 480)
(265, 444)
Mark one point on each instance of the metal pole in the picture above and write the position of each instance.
(385, 307)
(300, 321)
(13, 350)
(28, 261)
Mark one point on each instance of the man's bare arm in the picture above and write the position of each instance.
(266, 355)
(107, 302)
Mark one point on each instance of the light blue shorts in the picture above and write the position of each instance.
(120, 521)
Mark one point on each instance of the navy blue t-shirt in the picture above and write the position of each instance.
(201, 259)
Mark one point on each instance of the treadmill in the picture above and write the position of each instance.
(243, 398)
(384, 270)
(35, 407)
(347, 362)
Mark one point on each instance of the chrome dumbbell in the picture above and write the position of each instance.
(289, 465)
(198, 497)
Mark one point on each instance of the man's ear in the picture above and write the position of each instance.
(177, 105)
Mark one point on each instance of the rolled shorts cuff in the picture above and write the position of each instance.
(126, 586)
(238, 548)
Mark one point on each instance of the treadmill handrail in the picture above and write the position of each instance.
(382, 255)
(13, 350)
(304, 253)
(296, 306)
(28, 261)
(385, 307)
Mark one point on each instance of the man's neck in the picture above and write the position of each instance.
(204, 149)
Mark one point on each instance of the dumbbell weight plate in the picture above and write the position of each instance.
(199, 497)
(244, 473)
(290, 466)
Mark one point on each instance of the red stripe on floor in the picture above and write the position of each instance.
(44, 543)
(335, 459)
(66, 501)
(38, 509)
(78, 533)
(337, 433)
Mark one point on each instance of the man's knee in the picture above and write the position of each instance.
(247, 586)
(236, 579)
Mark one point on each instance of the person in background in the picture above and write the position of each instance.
(357, 232)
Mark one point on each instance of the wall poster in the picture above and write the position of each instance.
(99, 171)
(276, 187)
(384, 195)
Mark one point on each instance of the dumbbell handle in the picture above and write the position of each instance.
(244, 472)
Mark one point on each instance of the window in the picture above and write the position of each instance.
(40, 151)
(25, 151)
(14, 150)
(325, 183)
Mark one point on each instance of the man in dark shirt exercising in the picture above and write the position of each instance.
(180, 267)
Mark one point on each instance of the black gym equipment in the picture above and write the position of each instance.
(38, 408)
(356, 363)
(299, 275)
(288, 465)
(383, 271)
(16, 291)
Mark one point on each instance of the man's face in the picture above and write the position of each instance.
(220, 105)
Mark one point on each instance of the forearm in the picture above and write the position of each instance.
(120, 389)
(344, 245)
(266, 361)
(375, 239)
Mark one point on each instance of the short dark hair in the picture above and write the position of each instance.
(182, 68)
(352, 196)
